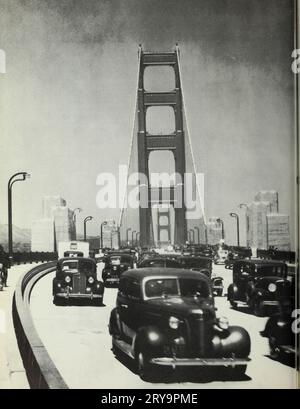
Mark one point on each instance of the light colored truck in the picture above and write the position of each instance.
(73, 249)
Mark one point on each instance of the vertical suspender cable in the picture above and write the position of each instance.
(189, 136)
(132, 138)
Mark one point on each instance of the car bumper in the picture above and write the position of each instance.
(112, 280)
(270, 303)
(91, 296)
(175, 362)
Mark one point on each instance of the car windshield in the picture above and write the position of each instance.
(161, 287)
(86, 266)
(194, 263)
(190, 287)
(115, 260)
(270, 271)
(70, 265)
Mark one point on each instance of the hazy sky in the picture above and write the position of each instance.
(67, 98)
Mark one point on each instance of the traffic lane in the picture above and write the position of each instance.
(78, 341)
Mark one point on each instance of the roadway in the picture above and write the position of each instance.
(77, 340)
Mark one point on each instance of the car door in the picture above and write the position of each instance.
(127, 309)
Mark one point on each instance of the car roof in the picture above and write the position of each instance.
(195, 257)
(75, 259)
(141, 273)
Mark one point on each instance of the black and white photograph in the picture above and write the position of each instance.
(149, 196)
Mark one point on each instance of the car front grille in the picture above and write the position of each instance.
(79, 283)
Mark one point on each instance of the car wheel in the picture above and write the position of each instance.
(58, 301)
(144, 367)
(230, 297)
(238, 372)
(274, 348)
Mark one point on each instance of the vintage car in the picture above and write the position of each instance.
(279, 327)
(76, 278)
(204, 265)
(166, 318)
(115, 265)
(255, 283)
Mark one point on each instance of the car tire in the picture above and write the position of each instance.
(238, 372)
(144, 367)
(274, 348)
(230, 296)
(58, 301)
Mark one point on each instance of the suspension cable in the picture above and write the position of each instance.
(132, 136)
(189, 135)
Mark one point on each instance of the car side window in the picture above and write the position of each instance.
(123, 287)
(133, 289)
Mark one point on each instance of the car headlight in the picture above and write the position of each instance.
(174, 322)
(272, 287)
(223, 323)
(91, 280)
(67, 279)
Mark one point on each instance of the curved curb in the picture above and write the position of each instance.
(40, 369)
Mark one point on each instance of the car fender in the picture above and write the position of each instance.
(54, 285)
(100, 290)
(150, 339)
(114, 326)
(232, 292)
(236, 341)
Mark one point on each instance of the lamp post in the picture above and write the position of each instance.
(132, 233)
(17, 177)
(87, 219)
(101, 232)
(206, 236)
(236, 216)
(198, 233)
(137, 238)
(220, 221)
(127, 236)
(78, 209)
(192, 235)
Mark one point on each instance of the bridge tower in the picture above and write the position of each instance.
(173, 142)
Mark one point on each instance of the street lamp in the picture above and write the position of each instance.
(132, 233)
(127, 236)
(236, 216)
(12, 180)
(222, 224)
(101, 232)
(87, 219)
(78, 209)
(192, 235)
(198, 233)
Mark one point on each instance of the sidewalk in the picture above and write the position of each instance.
(12, 372)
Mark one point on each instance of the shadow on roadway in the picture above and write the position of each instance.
(79, 303)
(285, 359)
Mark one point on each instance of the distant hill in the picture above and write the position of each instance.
(22, 238)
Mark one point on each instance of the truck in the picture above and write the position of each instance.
(73, 249)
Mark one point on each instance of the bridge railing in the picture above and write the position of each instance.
(34, 257)
(40, 369)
